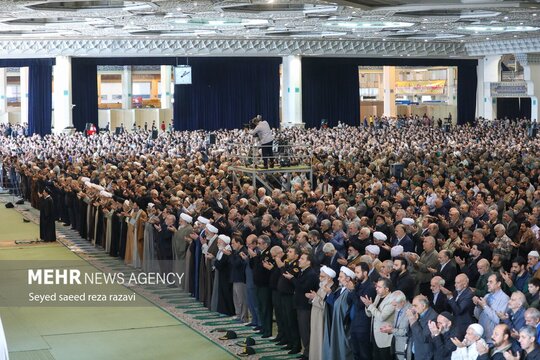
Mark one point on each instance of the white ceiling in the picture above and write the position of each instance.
(404, 22)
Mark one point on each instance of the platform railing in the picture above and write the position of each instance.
(284, 155)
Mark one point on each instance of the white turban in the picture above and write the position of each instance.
(328, 271)
(478, 329)
(380, 236)
(211, 228)
(348, 272)
(407, 221)
(186, 218)
(225, 239)
(374, 249)
(396, 250)
(105, 194)
(203, 220)
(85, 179)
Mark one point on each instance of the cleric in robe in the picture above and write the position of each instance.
(47, 230)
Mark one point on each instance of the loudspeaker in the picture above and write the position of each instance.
(396, 170)
(9, 205)
(154, 134)
(211, 139)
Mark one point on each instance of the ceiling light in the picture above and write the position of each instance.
(496, 29)
(368, 24)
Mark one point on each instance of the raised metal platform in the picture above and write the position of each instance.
(269, 177)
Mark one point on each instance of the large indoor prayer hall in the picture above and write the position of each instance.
(269, 179)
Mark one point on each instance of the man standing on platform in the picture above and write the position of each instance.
(266, 138)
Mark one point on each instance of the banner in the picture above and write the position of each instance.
(427, 87)
(508, 89)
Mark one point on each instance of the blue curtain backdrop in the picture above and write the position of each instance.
(39, 92)
(228, 92)
(331, 87)
(330, 92)
(225, 92)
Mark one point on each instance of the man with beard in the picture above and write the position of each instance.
(502, 342)
(47, 230)
(320, 319)
(360, 322)
(442, 333)
(337, 339)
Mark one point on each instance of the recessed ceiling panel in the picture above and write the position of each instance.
(280, 7)
(79, 5)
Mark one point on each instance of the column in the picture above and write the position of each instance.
(24, 94)
(166, 96)
(488, 72)
(62, 96)
(389, 80)
(531, 75)
(127, 89)
(451, 85)
(3, 96)
(292, 92)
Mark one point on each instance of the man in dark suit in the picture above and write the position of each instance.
(331, 257)
(314, 238)
(403, 239)
(438, 300)
(305, 282)
(447, 269)
(402, 279)
(461, 304)
(420, 343)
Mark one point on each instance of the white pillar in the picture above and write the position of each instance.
(166, 96)
(489, 66)
(127, 89)
(389, 80)
(531, 75)
(451, 85)
(24, 94)
(292, 92)
(62, 97)
(3, 96)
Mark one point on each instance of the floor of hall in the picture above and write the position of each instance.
(79, 333)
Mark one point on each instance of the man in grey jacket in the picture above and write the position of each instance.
(400, 326)
(266, 138)
(419, 315)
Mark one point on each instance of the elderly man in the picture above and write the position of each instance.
(488, 306)
(420, 343)
(317, 331)
(382, 311)
(485, 272)
(502, 245)
(442, 333)
(400, 327)
(425, 265)
(466, 349)
(437, 299)
(179, 244)
(446, 268)
(337, 340)
(460, 303)
(514, 316)
(527, 341)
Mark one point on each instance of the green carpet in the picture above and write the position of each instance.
(79, 333)
(13, 227)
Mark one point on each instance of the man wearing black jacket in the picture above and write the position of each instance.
(461, 304)
(305, 282)
(360, 322)
(402, 279)
(289, 270)
(442, 332)
(261, 277)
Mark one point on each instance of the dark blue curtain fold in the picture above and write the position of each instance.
(84, 93)
(228, 92)
(331, 87)
(39, 92)
(330, 91)
(40, 97)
